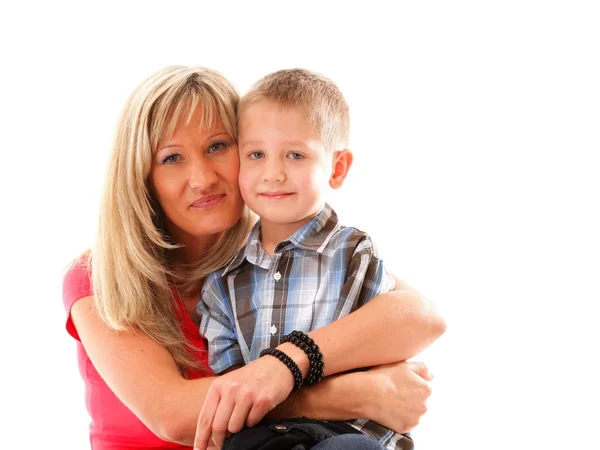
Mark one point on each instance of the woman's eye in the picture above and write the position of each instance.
(216, 147)
(171, 159)
(295, 155)
(255, 155)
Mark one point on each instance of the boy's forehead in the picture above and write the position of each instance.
(265, 113)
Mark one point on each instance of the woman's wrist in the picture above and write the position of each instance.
(297, 355)
(337, 397)
(369, 390)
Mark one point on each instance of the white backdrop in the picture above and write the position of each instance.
(475, 127)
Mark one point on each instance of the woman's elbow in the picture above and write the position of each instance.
(426, 317)
(172, 427)
(437, 325)
(172, 431)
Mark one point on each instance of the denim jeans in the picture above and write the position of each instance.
(349, 442)
(300, 434)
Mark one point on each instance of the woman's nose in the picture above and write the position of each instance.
(202, 176)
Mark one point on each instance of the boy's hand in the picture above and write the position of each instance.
(241, 398)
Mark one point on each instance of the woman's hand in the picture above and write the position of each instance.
(402, 391)
(242, 398)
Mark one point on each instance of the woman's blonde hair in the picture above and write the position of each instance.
(131, 275)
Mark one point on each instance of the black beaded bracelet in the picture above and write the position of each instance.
(315, 357)
(289, 362)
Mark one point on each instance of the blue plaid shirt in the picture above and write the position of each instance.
(321, 273)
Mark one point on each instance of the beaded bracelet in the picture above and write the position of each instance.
(289, 362)
(315, 357)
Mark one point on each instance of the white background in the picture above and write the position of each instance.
(475, 127)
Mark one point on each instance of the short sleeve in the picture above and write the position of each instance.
(76, 285)
(366, 277)
(218, 325)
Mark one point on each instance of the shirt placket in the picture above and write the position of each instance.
(277, 273)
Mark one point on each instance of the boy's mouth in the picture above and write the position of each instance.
(276, 195)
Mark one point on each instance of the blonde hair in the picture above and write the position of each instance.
(315, 95)
(131, 276)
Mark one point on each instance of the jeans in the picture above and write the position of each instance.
(349, 442)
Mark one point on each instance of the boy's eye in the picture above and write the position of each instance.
(171, 159)
(295, 155)
(255, 155)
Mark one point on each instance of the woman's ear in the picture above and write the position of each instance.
(342, 161)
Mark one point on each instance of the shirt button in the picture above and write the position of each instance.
(273, 329)
(277, 276)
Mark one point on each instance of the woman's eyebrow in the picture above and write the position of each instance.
(218, 133)
(173, 143)
(163, 147)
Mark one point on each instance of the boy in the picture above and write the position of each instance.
(300, 269)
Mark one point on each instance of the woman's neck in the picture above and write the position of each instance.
(192, 249)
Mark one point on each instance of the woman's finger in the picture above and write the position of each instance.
(221, 420)
(257, 412)
(238, 416)
(205, 420)
(422, 370)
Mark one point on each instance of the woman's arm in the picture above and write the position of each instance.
(391, 327)
(142, 374)
(145, 378)
(393, 395)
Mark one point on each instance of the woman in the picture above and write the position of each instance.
(171, 214)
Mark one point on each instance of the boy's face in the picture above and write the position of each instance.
(284, 168)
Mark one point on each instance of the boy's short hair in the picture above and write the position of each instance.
(315, 95)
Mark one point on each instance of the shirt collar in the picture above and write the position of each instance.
(313, 235)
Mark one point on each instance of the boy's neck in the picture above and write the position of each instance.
(274, 233)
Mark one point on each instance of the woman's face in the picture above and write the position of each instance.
(194, 178)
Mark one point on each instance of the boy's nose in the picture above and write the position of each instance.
(274, 172)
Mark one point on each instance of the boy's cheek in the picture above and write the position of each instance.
(245, 183)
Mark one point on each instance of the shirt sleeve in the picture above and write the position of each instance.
(366, 278)
(76, 285)
(218, 325)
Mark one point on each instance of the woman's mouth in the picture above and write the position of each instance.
(208, 201)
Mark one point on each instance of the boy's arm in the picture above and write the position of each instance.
(366, 276)
(218, 326)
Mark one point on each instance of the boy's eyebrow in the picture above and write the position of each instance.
(256, 142)
(250, 142)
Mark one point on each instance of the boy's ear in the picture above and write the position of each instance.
(342, 161)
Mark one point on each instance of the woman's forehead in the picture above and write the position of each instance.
(196, 116)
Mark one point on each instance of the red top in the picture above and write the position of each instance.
(113, 425)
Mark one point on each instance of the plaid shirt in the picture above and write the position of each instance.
(321, 273)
